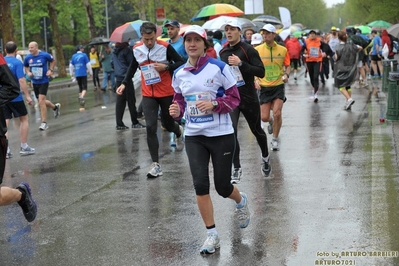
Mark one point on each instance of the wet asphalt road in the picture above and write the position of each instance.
(333, 190)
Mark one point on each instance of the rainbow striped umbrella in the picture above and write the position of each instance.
(126, 32)
(130, 32)
(216, 10)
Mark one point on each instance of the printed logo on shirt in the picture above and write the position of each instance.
(186, 85)
(208, 83)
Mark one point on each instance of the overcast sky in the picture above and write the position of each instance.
(330, 3)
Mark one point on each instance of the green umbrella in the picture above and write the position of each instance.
(364, 28)
(379, 24)
(297, 34)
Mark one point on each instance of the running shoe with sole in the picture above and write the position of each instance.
(242, 214)
(155, 171)
(266, 168)
(180, 140)
(210, 245)
(270, 126)
(29, 207)
(315, 98)
(349, 104)
(81, 101)
(43, 126)
(27, 151)
(236, 176)
(138, 125)
(57, 111)
(123, 127)
(274, 145)
(8, 155)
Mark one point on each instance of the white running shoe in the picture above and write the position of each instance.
(242, 214)
(349, 104)
(43, 126)
(27, 151)
(155, 171)
(180, 140)
(57, 111)
(274, 144)
(236, 176)
(210, 245)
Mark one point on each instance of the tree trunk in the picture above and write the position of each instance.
(90, 18)
(57, 39)
(141, 6)
(6, 21)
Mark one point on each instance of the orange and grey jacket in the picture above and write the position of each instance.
(162, 52)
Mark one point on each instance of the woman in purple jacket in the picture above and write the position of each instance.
(206, 91)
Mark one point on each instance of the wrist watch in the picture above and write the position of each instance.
(240, 64)
(167, 67)
(215, 104)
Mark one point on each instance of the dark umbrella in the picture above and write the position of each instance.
(99, 40)
(268, 19)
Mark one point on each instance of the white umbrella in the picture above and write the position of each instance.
(394, 30)
(217, 23)
(285, 33)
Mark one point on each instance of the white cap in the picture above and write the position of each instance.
(256, 38)
(233, 23)
(269, 28)
(195, 29)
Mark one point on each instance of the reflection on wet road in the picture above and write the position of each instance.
(332, 195)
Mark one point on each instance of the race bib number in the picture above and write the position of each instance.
(151, 76)
(93, 61)
(237, 74)
(272, 73)
(314, 52)
(193, 113)
(37, 72)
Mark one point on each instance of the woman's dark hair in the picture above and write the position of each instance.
(148, 28)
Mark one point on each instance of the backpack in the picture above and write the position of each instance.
(395, 47)
(394, 44)
(358, 40)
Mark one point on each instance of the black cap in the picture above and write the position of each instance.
(79, 47)
(173, 23)
(314, 31)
